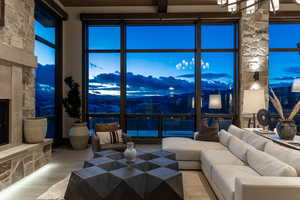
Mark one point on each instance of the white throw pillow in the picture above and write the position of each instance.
(110, 137)
(266, 165)
(289, 156)
(236, 131)
(224, 137)
(238, 148)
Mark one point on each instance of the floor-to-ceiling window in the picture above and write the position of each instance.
(147, 74)
(284, 64)
(47, 30)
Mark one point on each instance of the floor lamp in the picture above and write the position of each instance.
(253, 101)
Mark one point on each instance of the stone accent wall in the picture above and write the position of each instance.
(254, 43)
(23, 160)
(18, 35)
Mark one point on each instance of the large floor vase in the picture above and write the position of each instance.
(286, 129)
(35, 130)
(79, 136)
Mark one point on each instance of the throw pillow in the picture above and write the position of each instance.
(108, 127)
(266, 165)
(207, 133)
(110, 137)
(224, 137)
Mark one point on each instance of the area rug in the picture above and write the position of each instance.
(195, 187)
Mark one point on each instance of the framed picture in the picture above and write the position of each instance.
(2, 12)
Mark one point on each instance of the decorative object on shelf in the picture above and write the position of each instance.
(215, 101)
(251, 6)
(286, 127)
(253, 101)
(130, 153)
(2, 12)
(79, 133)
(263, 117)
(35, 130)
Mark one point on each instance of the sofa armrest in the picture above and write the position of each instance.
(267, 188)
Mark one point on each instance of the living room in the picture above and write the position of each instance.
(149, 99)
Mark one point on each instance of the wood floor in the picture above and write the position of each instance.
(65, 160)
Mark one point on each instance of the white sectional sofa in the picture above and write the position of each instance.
(242, 166)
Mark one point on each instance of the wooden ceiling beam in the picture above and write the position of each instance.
(158, 16)
(162, 6)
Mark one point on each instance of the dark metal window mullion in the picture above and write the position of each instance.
(123, 79)
(198, 77)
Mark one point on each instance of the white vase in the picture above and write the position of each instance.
(79, 136)
(130, 152)
(35, 130)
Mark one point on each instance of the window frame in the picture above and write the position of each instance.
(283, 21)
(197, 50)
(58, 47)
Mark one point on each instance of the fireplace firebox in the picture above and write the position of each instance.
(4, 121)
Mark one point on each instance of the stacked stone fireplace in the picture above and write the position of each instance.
(17, 94)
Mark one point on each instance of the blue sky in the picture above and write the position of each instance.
(283, 65)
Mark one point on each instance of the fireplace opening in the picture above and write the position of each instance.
(4, 121)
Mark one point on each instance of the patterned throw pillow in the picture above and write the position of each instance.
(112, 137)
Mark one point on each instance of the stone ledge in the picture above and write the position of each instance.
(21, 149)
(22, 160)
(17, 56)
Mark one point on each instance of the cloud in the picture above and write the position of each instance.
(293, 70)
(186, 76)
(215, 76)
(285, 78)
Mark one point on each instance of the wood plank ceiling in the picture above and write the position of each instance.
(92, 3)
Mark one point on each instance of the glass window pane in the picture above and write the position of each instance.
(217, 82)
(178, 127)
(45, 80)
(142, 127)
(47, 33)
(284, 35)
(51, 128)
(283, 70)
(160, 83)
(104, 83)
(104, 37)
(217, 36)
(160, 37)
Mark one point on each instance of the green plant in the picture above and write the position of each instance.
(72, 102)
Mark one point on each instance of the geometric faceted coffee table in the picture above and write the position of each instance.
(152, 176)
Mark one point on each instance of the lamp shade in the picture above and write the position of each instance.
(296, 85)
(215, 101)
(254, 100)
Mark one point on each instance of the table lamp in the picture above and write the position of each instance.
(253, 101)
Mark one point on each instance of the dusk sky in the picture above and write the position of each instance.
(284, 66)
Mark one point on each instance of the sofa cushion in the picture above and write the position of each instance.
(255, 140)
(224, 137)
(286, 155)
(267, 165)
(210, 158)
(188, 149)
(223, 176)
(236, 131)
(239, 148)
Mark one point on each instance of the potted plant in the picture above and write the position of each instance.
(35, 130)
(79, 133)
(286, 127)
